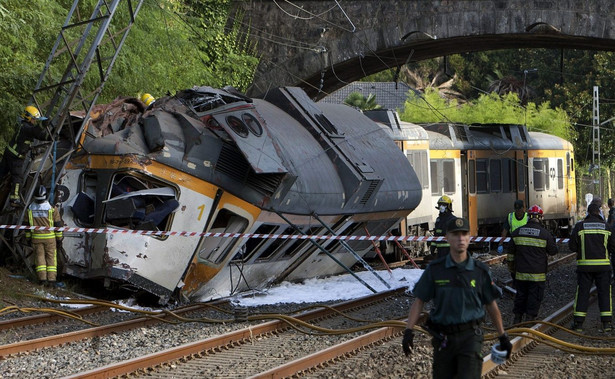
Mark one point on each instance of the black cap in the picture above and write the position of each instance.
(518, 204)
(458, 224)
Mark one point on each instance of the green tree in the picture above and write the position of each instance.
(358, 100)
(173, 45)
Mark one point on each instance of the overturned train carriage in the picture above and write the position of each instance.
(210, 160)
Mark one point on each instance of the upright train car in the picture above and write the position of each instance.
(213, 160)
(498, 164)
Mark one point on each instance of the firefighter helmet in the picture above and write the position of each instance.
(147, 99)
(41, 194)
(445, 200)
(535, 210)
(31, 114)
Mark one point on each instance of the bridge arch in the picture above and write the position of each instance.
(320, 45)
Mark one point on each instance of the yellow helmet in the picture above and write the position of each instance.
(445, 200)
(147, 99)
(31, 114)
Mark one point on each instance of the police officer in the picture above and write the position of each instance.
(594, 242)
(18, 147)
(445, 209)
(529, 246)
(461, 288)
(41, 213)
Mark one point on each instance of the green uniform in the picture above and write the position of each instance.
(459, 293)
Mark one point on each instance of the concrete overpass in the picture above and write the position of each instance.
(320, 45)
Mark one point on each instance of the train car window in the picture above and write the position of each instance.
(472, 179)
(512, 174)
(216, 249)
(435, 183)
(521, 170)
(254, 244)
(84, 206)
(418, 161)
(277, 244)
(568, 165)
(301, 245)
(137, 202)
(495, 175)
(560, 174)
(253, 125)
(481, 176)
(238, 126)
(541, 174)
(448, 180)
(506, 179)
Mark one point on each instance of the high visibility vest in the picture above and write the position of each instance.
(514, 223)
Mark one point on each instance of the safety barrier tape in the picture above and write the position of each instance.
(160, 233)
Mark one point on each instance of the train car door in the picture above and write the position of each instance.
(469, 190)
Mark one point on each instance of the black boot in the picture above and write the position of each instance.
(577, 326)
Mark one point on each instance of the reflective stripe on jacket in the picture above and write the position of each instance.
(593, 241)
(43, 214)
(530, 245)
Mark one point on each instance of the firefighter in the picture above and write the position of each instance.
(594, 242)
(445, 209)
(17, 149)
(529, 246)
(41, 213)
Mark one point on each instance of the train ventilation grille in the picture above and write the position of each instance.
(232, 163)
(373, 184)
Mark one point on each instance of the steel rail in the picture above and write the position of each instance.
(523, 344)
(59, 339)
(229, 339)
(48, 317)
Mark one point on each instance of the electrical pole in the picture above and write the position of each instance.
(596, 140)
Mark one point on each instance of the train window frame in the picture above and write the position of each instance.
(153, 191)
(472, 174)
(214, 250)
(88, 183)
(418, 161)
(253, 245)
(435, 183)
(495, 178)
(560, 173)
(540, 174)
(305, 245)
(521, 175)
(252, 123)
(238, 126)
(276, 245)
(449, 179)
(482, 184)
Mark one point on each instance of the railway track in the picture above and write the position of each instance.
(251, 350)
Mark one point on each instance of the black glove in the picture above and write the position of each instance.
(505, 345)
(408, 341)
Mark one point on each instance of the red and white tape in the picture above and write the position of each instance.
(160, 233)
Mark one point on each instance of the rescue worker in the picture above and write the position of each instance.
(594, 242)
(513, 221)
(460, 288)
(148, 99)
(41, 213)
(529, 245)
(445, 209)
(18, 147)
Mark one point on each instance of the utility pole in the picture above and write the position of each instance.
(596, 140)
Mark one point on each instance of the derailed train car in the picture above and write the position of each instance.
(212, 160)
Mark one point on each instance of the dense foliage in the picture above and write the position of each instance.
(488, 108)
(172, 46)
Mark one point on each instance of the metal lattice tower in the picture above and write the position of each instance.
(83, 40)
